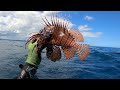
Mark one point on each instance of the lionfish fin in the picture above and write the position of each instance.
(68, 52)
(54, 54)
(83, 51)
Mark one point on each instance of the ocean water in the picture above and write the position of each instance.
(101, 63)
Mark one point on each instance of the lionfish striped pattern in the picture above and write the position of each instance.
(66, 38)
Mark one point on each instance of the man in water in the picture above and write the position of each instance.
(34, 57)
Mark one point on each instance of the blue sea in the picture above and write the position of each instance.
(101, 63)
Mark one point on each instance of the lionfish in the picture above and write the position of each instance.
(62, 39)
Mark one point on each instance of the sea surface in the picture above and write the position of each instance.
(101, 63)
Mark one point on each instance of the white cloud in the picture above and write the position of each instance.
(84, 28)
(86, 31)
(19, 24)
(88, 18)
(45, 13)
(91, 34)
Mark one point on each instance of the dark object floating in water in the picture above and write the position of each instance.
(116, 53)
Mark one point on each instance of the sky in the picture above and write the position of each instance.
(99, 28)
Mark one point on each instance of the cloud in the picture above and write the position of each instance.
(88, 18)
(19, 24)
(91, 34)
(46, 13)
(84, 28)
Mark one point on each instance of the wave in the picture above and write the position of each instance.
(13, 40)
(101, 63)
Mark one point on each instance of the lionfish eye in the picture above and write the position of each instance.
(42, 30)
(34, 40)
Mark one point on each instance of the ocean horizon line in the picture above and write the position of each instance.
(25, 41)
